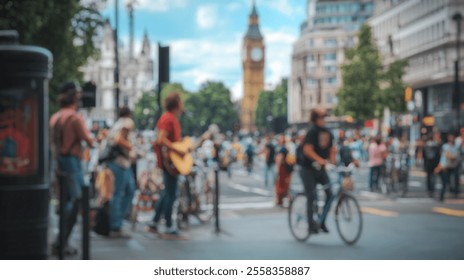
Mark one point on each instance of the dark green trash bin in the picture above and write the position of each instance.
(24, 160)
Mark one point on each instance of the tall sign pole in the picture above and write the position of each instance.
(116, 60)
(163, 74)
(458, 18)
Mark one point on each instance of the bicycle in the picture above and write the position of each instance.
(196, 197)
(348, 217)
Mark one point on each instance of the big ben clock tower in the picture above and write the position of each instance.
(253, 71)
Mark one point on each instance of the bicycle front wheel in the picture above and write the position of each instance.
(348, 218)
(297, 218)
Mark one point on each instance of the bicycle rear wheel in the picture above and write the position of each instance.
(297, 218)
(205, 193)
(348, 218)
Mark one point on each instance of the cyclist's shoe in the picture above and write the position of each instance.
(323, 228)
(313, 228)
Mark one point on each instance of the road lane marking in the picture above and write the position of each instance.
(243, 188)
(241, 206)
(378, 212)
(415, 184)
(448, 212)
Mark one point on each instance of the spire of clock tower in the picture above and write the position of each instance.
(253, 25)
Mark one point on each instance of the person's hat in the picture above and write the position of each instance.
(69, 85)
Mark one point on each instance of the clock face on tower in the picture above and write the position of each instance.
(256, 54)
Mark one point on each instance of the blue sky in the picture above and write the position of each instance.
(205, 36)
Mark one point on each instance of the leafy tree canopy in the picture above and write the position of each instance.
(65, 27)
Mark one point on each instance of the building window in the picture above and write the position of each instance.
(331, 80)
(330, 43)
(329, 99)
(330, 56)
(330, 68)
(312, 83)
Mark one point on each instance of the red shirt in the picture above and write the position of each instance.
(169, 123)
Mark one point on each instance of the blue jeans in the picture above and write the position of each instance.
(374, 177)
(167, 199)
(311, 178)
(74, 182)
(269, 169)
(450, 177)
(124, 188)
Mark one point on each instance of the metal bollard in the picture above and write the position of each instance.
(85, 223)
(62, 222)
(216, 200)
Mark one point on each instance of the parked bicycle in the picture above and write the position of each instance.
(196, 196)
(348, 217)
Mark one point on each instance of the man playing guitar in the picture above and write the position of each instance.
(169, 131)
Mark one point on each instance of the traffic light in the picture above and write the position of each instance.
(407, 94)
(163, 64)
(89, 91)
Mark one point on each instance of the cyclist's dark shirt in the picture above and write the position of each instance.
(321, 139)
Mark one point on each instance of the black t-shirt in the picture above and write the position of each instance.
(322, 140)
(271, 159)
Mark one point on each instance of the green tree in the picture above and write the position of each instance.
(65, 27)
(360, 95)
(211, 105)
(271, 106)
(393, 93)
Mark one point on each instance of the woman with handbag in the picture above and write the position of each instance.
(124, 182)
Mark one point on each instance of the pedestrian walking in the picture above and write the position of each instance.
(432, 155)
(68, 130)
(169, 131)
(377, 156)
(448, 166)
(119, 138)
(284, 170)
(269, 158)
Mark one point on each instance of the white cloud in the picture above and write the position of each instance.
(207, 16)
(283, 6)
(202, 60)
(159, 5)
(278, 54)
(237, 90)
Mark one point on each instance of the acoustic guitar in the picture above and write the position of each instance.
(174, 163)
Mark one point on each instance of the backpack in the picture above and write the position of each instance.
(289, 162)
(101, 224)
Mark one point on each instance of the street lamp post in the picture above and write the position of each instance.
(457, 97)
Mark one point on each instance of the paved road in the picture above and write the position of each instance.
(415, 227)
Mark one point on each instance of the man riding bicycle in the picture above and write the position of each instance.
(313, 156)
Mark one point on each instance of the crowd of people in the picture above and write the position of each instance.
(77, 149)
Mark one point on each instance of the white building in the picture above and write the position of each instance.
(135, 75)
(318, 54)
(424, 33)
